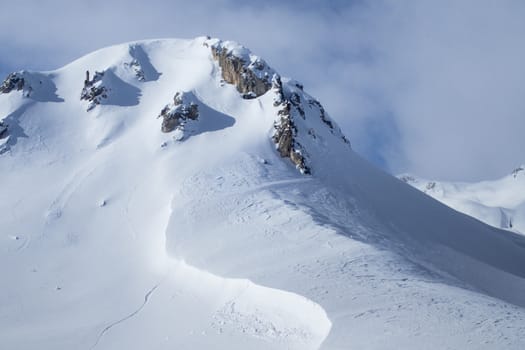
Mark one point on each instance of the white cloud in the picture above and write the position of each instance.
(431, 87)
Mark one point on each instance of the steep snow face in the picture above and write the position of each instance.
(499, 203)
(185, 209)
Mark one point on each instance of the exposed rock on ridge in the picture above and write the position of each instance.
(34, 85)
(14, 81)
(298, 120)
(3, 130)
(516, 171)
(93, 90)
(249, 73)
(285, 133)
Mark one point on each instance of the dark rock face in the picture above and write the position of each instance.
(297, 125)
(250, 75)
(285, 133)
(93, 90)
(14, 81)
(176, 114)
(3, 130)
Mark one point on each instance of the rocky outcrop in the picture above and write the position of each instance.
(302, 124)
(407, 179)
(516, 171)
(285, 132)
(94, 91)
(14, 81)
(249, 73)
(175, 115)
(36, 86)
(3, 130)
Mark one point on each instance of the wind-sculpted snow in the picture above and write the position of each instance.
(141, 64)
(115, 235)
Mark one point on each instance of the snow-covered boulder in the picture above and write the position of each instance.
(176, 115)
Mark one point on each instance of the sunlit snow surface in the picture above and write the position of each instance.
(114, 235)
(500, 203)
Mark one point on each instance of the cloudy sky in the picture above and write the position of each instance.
(436, 88)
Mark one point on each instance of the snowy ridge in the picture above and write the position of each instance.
(499, 203)
(116, 234)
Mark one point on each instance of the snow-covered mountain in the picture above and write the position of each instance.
(499, 203)
(181, 194)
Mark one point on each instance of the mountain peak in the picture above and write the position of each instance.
(300, 123)
(152, 196)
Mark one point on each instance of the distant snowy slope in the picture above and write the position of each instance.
(499, 203)
(181, 194)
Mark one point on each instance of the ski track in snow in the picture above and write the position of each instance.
(124, 319)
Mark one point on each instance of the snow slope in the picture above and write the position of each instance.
(499, 203)
(115, 235)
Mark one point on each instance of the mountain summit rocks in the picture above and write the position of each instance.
(301, 127)
(250, 74)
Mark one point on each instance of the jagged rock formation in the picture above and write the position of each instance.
(93, 90)
(14, 81)
(175, 115)
(296, 127)
(285, 129)
(250, 74)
